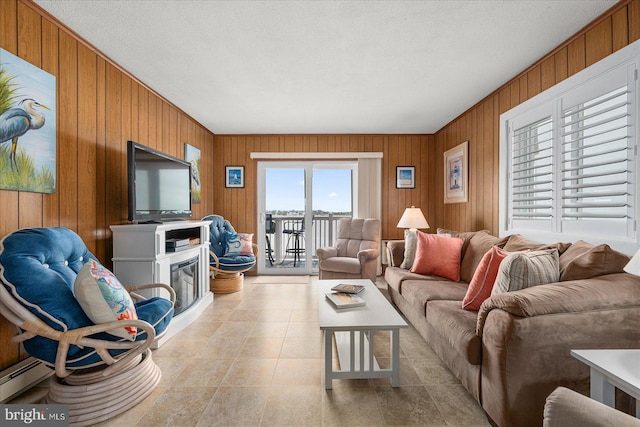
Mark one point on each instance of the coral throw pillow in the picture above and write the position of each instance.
(103, 298)
(483, 279)
(437, 255)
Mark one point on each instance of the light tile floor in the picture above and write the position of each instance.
(254, 358)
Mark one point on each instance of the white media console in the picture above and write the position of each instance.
(141, 256)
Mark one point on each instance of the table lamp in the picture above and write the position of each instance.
(412, 218)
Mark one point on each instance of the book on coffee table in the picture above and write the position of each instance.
(344, 300)
(348, 288)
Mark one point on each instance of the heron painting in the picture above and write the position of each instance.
(27, 126)
(192, 155)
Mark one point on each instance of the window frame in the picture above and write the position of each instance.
(598, 78)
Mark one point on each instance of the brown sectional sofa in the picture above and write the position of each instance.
(514, 352)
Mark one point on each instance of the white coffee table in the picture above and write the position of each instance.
(611, 369)
(354, 329)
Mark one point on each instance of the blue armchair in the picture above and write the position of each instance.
(231, 254)
(99, 372)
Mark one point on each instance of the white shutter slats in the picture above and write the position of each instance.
(597, 194)
(532, 171)
(595, 184)
(619, 168)
(595, 157)
(576, 157)
(601, 100)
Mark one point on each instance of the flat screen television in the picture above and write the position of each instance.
(159, 185)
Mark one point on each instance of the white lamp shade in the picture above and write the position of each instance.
(413, 218)
(633, 266)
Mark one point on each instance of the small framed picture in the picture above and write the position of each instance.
(234, 177)
(405, 177)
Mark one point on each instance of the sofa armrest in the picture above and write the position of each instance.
(567, 408)
(598, 293)
(395, 252)
(326, 252)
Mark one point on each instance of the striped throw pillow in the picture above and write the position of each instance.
(522, 270)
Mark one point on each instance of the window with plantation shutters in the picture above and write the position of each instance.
(597, 159)
(570, 158)
(532, 171)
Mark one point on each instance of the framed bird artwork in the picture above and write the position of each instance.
(192, 155)
(27, 126)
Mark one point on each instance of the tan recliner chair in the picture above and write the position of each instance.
(356, 253)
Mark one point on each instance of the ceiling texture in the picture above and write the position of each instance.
(319, 67)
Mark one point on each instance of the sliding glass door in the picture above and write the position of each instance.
(299, 204)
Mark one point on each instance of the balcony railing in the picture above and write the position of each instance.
(324, 229)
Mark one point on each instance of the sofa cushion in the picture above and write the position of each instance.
(419, 292)
(396, 276)
(410, 246)
(395, 252)
(457, 327)
(479, 244)
(466, 235)
(584, 261)
(483, 279)
(519, 243)
(438, 255)
(522, 270)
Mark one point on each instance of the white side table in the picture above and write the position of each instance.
(611, 369)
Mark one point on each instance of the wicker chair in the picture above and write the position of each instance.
(230, 255)
(98, 373)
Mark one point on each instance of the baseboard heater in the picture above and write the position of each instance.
(21, 376)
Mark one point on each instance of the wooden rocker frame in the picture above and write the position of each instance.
(102, 390)
(225, 281)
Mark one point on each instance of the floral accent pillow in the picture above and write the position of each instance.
(239, 244)
(103, 298)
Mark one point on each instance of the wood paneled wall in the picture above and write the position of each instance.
(99, 108)
(239, 204)
(480, 125)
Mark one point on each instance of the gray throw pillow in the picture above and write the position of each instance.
(410, 245)
(522, 270)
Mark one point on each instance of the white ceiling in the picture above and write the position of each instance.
(279, 67)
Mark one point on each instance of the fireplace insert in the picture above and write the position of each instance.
(184, 280)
